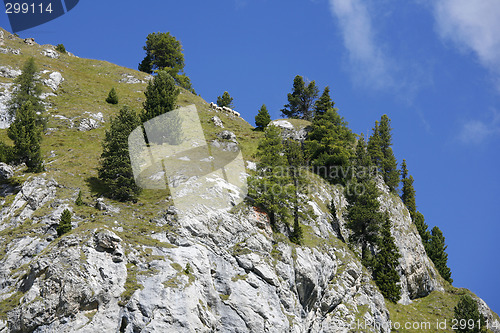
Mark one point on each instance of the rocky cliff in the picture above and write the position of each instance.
(143, 267)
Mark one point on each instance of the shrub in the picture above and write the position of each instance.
(60, 48)
(112, 97)
(64, 223)
(79, 201)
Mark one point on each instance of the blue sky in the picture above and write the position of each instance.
(432, 66)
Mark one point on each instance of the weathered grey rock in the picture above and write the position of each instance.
(5, 96)
(217, 122)
(289, 131)
(54, 80)
(29, 41)
(93, 122)
(101, 205)
(227, 135)
(6, 171)
(53, 54)
(130, 79)
(10, 73)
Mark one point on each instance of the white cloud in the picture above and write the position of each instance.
(369, 63)
(474, 26)
(477, 131)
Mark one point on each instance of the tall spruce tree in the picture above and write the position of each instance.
(408, 192)
(28, 89)
(329, 146)
(324, 103)
(26, 133)
(301, 100)
(161, 96)
(262, 119)
(386, 261)
(225, 100)
(295, 158)
(362, 164)
(438, 255)
(115, 170)
(389, 164)
(375, 147)
(422, 228)
(268, 186)
(364, 218)
(467, 312)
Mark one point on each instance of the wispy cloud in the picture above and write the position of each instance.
(367, 60)
(477, 131)
(472, 26)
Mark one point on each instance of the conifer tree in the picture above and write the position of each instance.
(64, 223)
(438, 255)
(268, 187)
(422, 228)
(384, 272)
(116, 170)
(225, 100)
(408, 195)
(161, 96)
(262, 119)
(112, 96)
(79, 200)
(295, 158)
(301, 100)
(364, 218)
(329, 145)
(324, 103)
(28, 89)
(26, 133)
(362, 163)
(374, 147)
(467, 312)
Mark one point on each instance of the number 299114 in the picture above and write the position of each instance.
(27, 8)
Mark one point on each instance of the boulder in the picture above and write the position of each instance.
(29, 41)
(94, 121)
(53, 54)
(227, 135)
(6, 171)
(217, 122)
(9, 73)
(54, 80)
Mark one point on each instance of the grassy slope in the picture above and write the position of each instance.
(87, 83)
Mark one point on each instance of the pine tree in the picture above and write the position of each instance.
(295, 158)
(329, 146)
(386, 261)
(28, 89)
(112, 97)
(115, 170)
(79, 200)
(262, 119)
(225, 100)
(302, 100)
(324, 103)
(362, 163)
(161, 96)
(389, 164)
(408, 195)
(60, 48)
(467, 311)
(438, 255)
(64, 223)
(374, 147)
(268, 187)
(364, 218)
(26, 133)
(422, 228)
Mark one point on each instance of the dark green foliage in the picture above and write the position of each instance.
(363, 216)
(362, 164)
(386, 261)
(379, 147)
(295, 159)
(79, 200)
(64, 223)
(408, 195)
(187, 270)
(161, 96)
(26, 133)
(469, 319)
(324, 103)
(436, 251)
(6, 153)
(115, 170)
(112, 97)
(301, 100)
(225, 100)
(164, 52)
(329, 146)
(262, 119)
(28, 90)
(60, 48)
(422, 228)
(268, 188)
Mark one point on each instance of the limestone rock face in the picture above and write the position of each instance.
(6, 171)
(10, 73)
(289, 131)
(54, 80)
